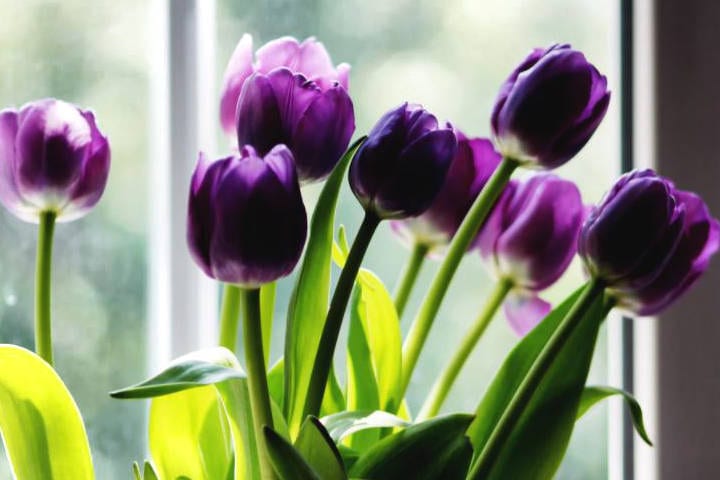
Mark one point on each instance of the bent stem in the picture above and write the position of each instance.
(442, 386)
(43, 274)
(458, 246)
(525, 391)
(230, 317)
(336, 311)
(256, 374)
(409, 277)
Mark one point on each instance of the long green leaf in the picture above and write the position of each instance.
(319, 450)
(344, 424)
(286, 460)
(149, 473)
(594, 394)
(309, 301)
(218, 367)
(189, 435)
(433, 450)
(544, 429)
(41, 426)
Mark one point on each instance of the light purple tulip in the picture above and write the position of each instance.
(53, 158)
(246, 219)
(530, 239)
(549, 107)
(649, 241)
(471, 168)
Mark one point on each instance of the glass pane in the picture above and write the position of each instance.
(450, 56)
(92, 54)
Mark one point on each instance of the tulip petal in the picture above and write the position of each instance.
(239, 68)
(258, 116)
(281, 52)
(323, 133)
(9, 194)
(524, 311)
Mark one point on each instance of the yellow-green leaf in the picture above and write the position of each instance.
(42, 428)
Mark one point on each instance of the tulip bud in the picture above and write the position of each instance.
(285, 108)
(530, 239)
(246, 219)
(648, 241)
(472, 166)
(53, 158)
(308, 58)
(549, 107)
(401, 167)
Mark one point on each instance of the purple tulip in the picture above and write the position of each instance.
(471, 168)
(308, 58)
(648, 241)
(549, 107)
(401, 167)
(246, 219)
(530, 239)
(53, 158)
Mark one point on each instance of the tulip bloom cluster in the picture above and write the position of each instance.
(448, 194)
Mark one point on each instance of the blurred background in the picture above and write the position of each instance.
(450, 56)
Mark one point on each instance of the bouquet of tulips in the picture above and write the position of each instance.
(217, 416)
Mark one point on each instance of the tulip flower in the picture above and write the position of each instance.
(308, 58)
(246, 218)
(648, 242)
(529, 239)
(53, 158)
(549, 107)
(54, 163)
(291, 95)
(400, 169)
(471, 167)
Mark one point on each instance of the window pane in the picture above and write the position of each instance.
(451, 56)
(92, 54)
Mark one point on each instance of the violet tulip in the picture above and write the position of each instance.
(294, 96)
(400, 169)
(530, 239)
(246, 219)
(53, 158)
(549, 107)
(648, 241)
(472, 166)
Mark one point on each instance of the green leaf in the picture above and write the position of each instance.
(543, 431)
(189, 435)
(348, 455)
(433, 450)
(319, 451)
(344, 424)
(149, 473)
(309, 301)
(286, 460)
(276, 379)
(267, 309)
(333, 398)
(136, 471)
(41, 426)
(219, 367)
(594, 394)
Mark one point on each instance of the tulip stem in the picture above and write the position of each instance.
(43, 276)
(444, 383)
(409, 277)
(230, 316)
(462, 239)
(336, 312)
(256, 374)
(529, 385)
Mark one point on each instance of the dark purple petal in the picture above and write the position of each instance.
(524, 311)
(239, 68)
(259, 121)
(323, 133)
(417, 176)
(9, 194)
(493, 227)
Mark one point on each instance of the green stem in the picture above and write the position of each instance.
(446, 380)
(525, 391)
(256, 374)
(461, 241)
(230, 317)
(43, 274)
(336, 311)
(409, 277)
